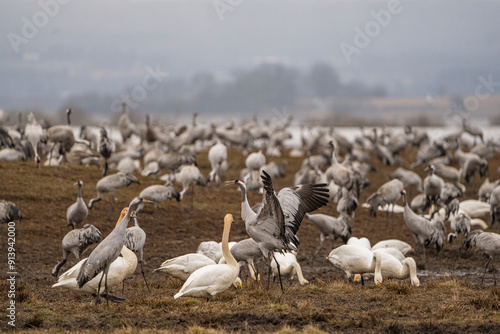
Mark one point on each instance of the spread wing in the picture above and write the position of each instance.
(270, 219)
(282, 214)
(297, 201)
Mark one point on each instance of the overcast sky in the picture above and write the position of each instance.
(104, 46)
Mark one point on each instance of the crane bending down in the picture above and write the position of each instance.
(76, 242)
(279, 218)
(486, 242)
(106, 252)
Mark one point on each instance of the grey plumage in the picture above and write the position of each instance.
(460, 224)
(135, 241)
(425, 232)
(486, 189)
(409, 178)
(348, 203)
(76, 242)
(276, 224)
(158, 193)
(495, 205)
(106, 252)
(9, 212)
(110, 183)
(247, 251)
(433, 185)
(330, 227)
(77, 212)
(387, 194)
(106, 148)
(487, 243)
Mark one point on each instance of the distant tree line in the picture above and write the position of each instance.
(264, 87)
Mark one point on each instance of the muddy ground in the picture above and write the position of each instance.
(451, 297)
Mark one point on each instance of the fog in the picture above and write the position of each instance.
(242, 56)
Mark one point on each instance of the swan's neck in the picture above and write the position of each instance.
(409, 265)
(123, 224)
(300, 276)
(225, 245)
(247, 214)
(378, 269)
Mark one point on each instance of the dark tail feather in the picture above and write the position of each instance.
(82, 276)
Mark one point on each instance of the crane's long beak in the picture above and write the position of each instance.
(228, 183)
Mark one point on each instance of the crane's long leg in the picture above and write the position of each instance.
(487, 263)
(106, 287)
(55, 271)
(279, 273)
(142, 272)
(321, 239)
(98, 298)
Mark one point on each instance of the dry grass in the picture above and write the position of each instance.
(450, 298)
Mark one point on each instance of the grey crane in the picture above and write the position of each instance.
(382, 152)
(427, 152)
(76, 242)
(486, 189)
(158, 193)
(348, 203)
(472, 129)
(460, 224)
(409, 178)
(106, 148)
(277, 222)
(486, 242)
(173, 161)
(77, 212)
(63, 136)
(110, 183)
(9, 212)
(330, 227)
(425, 232)
(495, 205)
(106, 252)
(340, 174)
(247, 251)
(135, 241)
(450, 174)
(448, 199)
(433, 185)
(387, 194)
(473, 165)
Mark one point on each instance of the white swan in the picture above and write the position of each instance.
(363, 242)
(181, 267)
(210, 280)
(402, 246)
(121, 268)
(288, 266)
(392, 267)
(356, 260)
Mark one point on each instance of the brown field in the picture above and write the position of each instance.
(451, 297)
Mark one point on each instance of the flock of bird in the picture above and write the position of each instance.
(335, 169)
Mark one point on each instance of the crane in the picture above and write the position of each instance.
(106, 252)
(279, 218)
